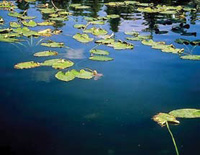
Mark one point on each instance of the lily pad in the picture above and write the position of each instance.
(68, 76)
(45, 53)
(8, 39)
(100, 58)
(14, 24)
(51, 43)
(59, 19)
(27, 65)
(96, 31)
(31, 23)
(51, 62)
(83, 74)
(186, 113)
(162, 118)
(7, 30)
(97, 22)
(182, 41)
(191, 57)
(46, 23)
(46, 32)
(48, 10)
(79, 26)
(112, 16)
(99, 52)
(120, 45)
(138, 38)
(62, 64)
(84, 38)
(105, 41)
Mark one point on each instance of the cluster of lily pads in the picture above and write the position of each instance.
(165, 118)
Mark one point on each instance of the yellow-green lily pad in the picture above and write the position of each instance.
(15, 24)
(45, 53)
(84, 38)
(191, 57)
(186, 113)
(99, 52)
(30, 23)
(27, 65)
(100, 58)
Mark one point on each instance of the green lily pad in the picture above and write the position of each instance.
(45, 53)
(53, 44)
(96, 31)
(15, 24)
(112, 16)
(51, 62)
(152, 43)
(99, 52)
(59, 19)
(31, 23)
(7, 30)
(14, 14)
(162, 118)
(10, 35)
(120, 45)
(191, 57)
(26, 32)
(48, 10)
(79, 26)
(68, 76)
(97, 22)
(62, 64)
(100, 58)
(186, 113)
(132, 33)
(84, 38)
(46, 23)
(27, 65)
(83, 74)
(172, 49)
(27, 17)
(107, 41)
(8, 39)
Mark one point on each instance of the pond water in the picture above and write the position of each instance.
(40, 115)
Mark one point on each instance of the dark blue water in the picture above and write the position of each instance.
(40, 115)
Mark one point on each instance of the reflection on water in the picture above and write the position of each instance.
(75, 54)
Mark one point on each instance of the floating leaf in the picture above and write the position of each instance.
(138, 38)
(100, 58)
(68, 76)
(7, 39)
(195, 42)
(99, 52)
(53, 44)
(45, 53)
(48, 10)
(83, 74)
(46, 23)
(31, 23)
(51, 62)
(46, 32)
(162, 118)
(120, 45)
(59, 18)
(98, 22)
(107, 41)
(79, 26)
(191, 57)
(152, 43)
(26, 32)
(14, 24)
(186, 113)
(112, 16)
(182, 41)
(27, 65)
(62, 64)
(96, 31)
(84, 38)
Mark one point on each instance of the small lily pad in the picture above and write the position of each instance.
(31, 23)
(98, 22)
(53, 44)
(84, 38)
(62, 64)
(27, 65)
(186, 113)
(120, 45)
(45, 53)
(162, 118)
(182, 41)
(15, 24)
(79, 26)
(96, 31)
(46, 23)
(99, 52)
(100, 58)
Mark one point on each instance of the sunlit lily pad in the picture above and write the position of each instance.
(62, 64)
(68, 76)
(14, 24)
(112, 16)
(105, 41)
(138, 38)
(45, 53)
(53, 44)
(7, 30)
(84, 38)
(46, 32)
(79, 26)
(59, 19)
(191, 57)
(100, 58)
(97, 22)
(30, 23)
(172, 49)
(51, 62)
(120, 45)
(152, 43)
(27, 65)
(162, 118)
(96, 31)
(8, 39)
(99, 52)
(46, 23)
(26, 32)
(186, 113)
(48, 10)
(14, 14)
(83, 74)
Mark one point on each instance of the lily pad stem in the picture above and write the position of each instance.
(53, 4)
(177, 153)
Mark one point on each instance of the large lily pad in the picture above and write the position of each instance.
(27, 65)
(30, 23)
(162, 118)
(45, 53)
(120, 45)
(186, 113)
(99, 52)
(26, 32)
(83, 74)
(84, 38)
(51, 43)
(62, 64)
(100, 58)
(68, 76)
